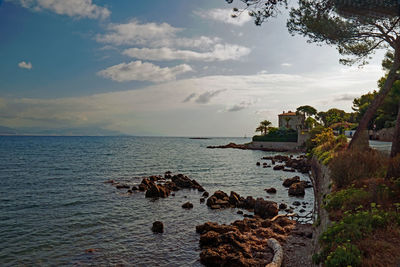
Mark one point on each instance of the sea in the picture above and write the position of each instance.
(56, 210)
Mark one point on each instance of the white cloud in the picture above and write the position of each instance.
(237, 107)
(159, 108)
(143, 71)
(134, 33)
(72, 8)
(286, 64)
(25, 65)
(225, 16)
(206, 97)
(219, 53)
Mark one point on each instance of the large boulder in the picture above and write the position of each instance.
(155, 191)
(187, 205)
(289, 181)
(265, 209)
(297, 189)
(278, 167)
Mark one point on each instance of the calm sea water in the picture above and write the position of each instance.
(54, 204)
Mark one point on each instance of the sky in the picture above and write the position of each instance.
(162, 68)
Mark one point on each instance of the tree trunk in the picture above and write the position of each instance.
(396, 137)
(393, 168)
(356, 141)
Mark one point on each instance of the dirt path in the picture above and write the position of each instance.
(298, 247)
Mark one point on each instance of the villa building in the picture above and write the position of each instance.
(291, 120)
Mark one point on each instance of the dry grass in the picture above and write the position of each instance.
(382, 249)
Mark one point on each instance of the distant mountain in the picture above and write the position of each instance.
(82, 131)
(7, 131)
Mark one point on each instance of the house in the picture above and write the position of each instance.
(291, 120)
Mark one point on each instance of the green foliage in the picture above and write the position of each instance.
(326, 145)
(277, 135)
(306, 110)
(351, 165)
(338, 240)
(346, 199)
(344, 255)
(263, 127)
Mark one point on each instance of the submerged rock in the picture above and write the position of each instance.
(289, 181)
(271, 190)
(297, 189)
(265, 209)
(158, 227)
(187, 205)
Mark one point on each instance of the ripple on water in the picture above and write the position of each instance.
(54, 205)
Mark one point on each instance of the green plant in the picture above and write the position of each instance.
(344, 255)
(346, 199)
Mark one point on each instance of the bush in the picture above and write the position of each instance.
(345, 255)
(351, 165)
(277, 135)
(347, 199)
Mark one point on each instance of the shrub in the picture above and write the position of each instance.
(345, 255)
(351, 165)
(347, 199)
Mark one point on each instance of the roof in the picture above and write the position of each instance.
(288, 114)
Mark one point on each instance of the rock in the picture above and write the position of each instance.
(289, 170)
(202, 200)
(248, 215)
(155, 191)
(265, 209)
(90, 250)
(220, 194)
(122, 186)
(205, 194)
(134, 188)
(297, 189)
(154, 178)
(302, 210)
(129, 191)
(158, 227)
(272, 162)
(109, 182)
(282, 206)
(271, 190)
(234, 198)
(278, 167)
(296, 203)
(182, 181)
(288, 182)
(210, 238)
(239, 212)
(215, 207)
(173, 194)
(167, 175)
(187, 205)
(142, 187)
(258, 163)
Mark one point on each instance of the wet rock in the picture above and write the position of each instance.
(289, 170)
(205, 194)
(109, 182)
(215, 207)
(278, 167)
(265, 209)
(168, 175)
(134, 188)
(234, 198)
(282, 206)
(158, 227)
(90, 250)
(129, 191)
(187, 205)
(297, 189)
(248, 215)
(288, 182)
(296, 203)
(122, 186)
(239, 212)
(154, 178)
(156, 191)
(302, 210)
(258, 163)
(270, 190)
(202, 200)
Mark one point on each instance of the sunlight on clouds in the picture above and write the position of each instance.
(224, 15)
(143, 71)
(72, 8)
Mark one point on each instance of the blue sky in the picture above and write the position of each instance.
(177, 67)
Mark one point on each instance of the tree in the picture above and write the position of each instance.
(356, 28)
(263, 127)
(287, 119)
(306, 110)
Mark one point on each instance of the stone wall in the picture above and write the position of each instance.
(320, 176)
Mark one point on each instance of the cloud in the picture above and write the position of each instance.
(134, 33)
(219, 53)
(72, 8)
(242, 105)
(286, 64)
(25, 65)
(225, 16)
(143, 71)
(207, 96)
(346, 97)
(189, 97)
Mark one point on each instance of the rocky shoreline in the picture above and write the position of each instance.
(248, 147)
(244, 242)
